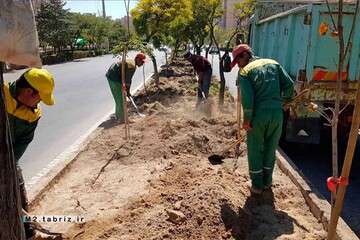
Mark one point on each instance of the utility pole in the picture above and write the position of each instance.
(103, 8)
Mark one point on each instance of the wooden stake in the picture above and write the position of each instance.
(336, 210)
(144, 79)
(238, 112)
(123, 89)
(126, 115)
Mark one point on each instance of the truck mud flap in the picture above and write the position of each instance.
(303, 130)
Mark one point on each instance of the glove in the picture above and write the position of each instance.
(247, 126)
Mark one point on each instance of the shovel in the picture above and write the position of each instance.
(216, 159)
(136, 108)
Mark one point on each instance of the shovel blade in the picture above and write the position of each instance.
(216, 159)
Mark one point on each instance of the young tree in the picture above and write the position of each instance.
(154, 20)
(344, 51)
(213, 21)
(243, 12)
(197, 29)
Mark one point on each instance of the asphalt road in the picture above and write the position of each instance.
(314, 161)
(82, 98)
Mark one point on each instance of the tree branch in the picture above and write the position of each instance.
(349, 43)
(331, 15)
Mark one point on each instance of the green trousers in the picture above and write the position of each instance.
(115, 88)
(262, 141)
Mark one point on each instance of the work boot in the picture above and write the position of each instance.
(29, 230)
(255, 190)
(267, 187)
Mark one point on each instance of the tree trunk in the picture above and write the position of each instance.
(166, 64)
(208, 48)
(174, 53)
(338, 99)
(222, 82)
(156, 73)
(221, 70)
(11, 225)
(198, 50)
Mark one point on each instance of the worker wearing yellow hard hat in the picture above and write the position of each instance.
(43, 82)
(22, 98)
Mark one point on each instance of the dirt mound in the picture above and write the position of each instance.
(160, 184)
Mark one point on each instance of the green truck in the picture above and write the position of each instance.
(301, 37)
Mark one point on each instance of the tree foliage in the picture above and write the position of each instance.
(53, 24)
(156, 20)
(160, 22)
(96, 29)
(198, 28)
(245, 9)
(59, 28)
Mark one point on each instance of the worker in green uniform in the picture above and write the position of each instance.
(113, 76)
(22, 99)
(265, 87)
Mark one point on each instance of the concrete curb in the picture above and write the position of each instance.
(49, 176)
(319, 206)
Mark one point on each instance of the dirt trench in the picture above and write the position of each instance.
(160, 184)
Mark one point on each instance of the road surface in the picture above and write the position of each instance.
(82, 98)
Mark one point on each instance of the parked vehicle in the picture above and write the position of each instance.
(301, 37)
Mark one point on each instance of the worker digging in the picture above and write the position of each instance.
(265, 88)
(113, 76)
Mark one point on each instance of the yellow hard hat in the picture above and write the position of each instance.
(43, 81)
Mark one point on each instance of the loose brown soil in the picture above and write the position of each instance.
(160, 184)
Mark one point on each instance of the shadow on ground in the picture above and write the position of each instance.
(257, 219)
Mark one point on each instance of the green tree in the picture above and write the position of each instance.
(53, 24)
(213, 21)
(117, 33)
(243, 12)
(198, 27)
(95, 29)
(157, 20)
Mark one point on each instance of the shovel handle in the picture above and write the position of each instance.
(234, 144)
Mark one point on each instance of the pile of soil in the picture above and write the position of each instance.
(160, 184)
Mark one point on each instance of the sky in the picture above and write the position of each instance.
(113, 8)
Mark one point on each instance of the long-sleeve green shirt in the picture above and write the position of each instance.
(264, 84)
(23, 121)
(114, 72)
